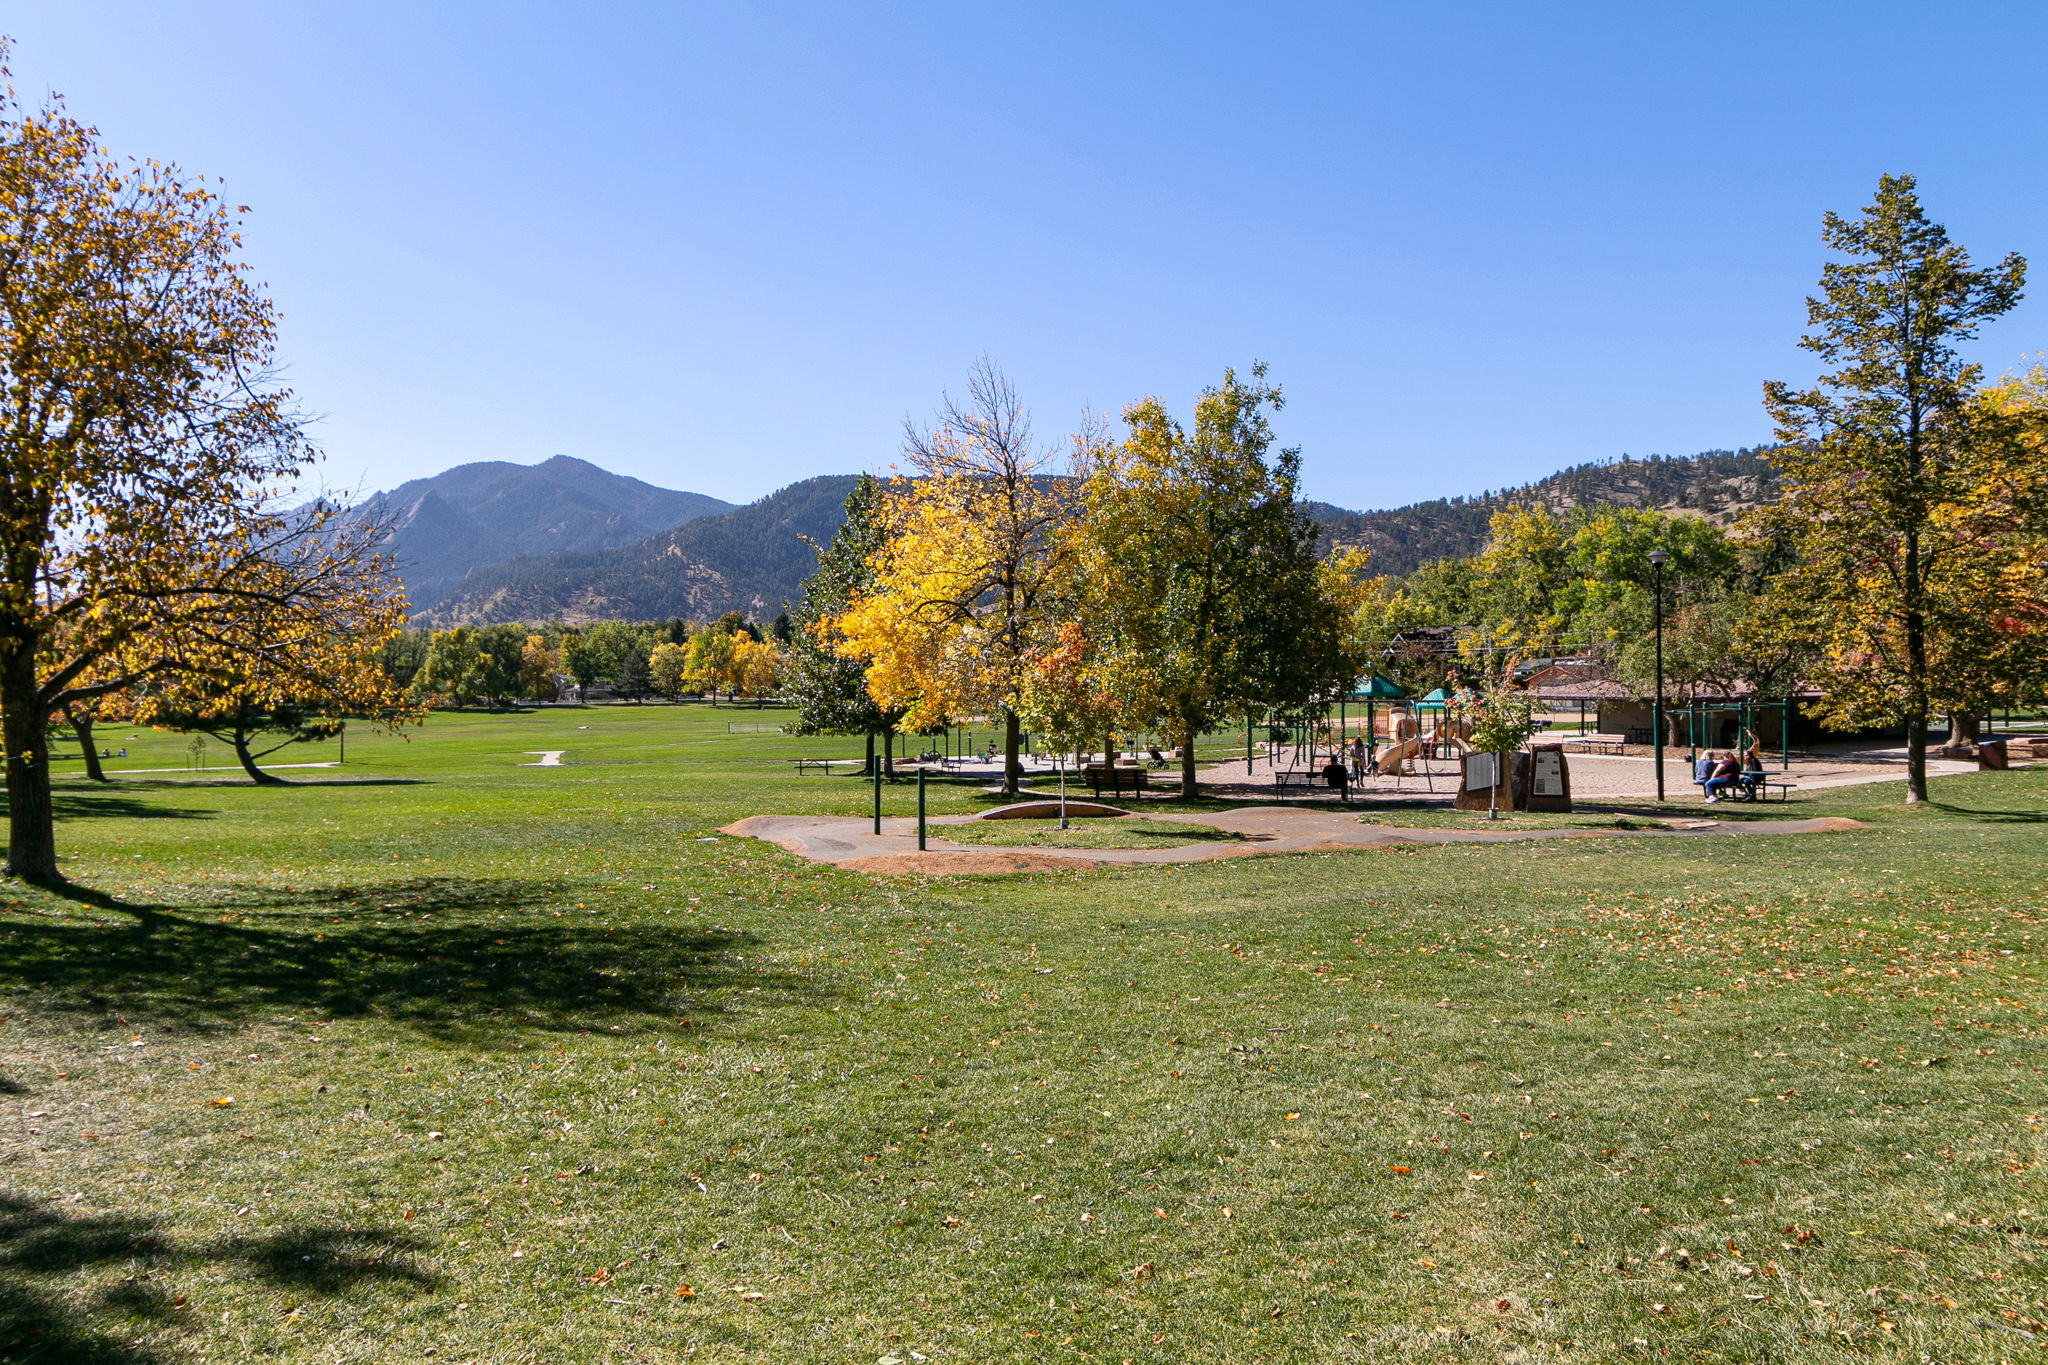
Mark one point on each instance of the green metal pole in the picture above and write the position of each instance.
(920, 810)
(1247, 744)
(1785, 738)
(1657, 710)
(878, 800)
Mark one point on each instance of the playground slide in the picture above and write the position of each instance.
(1392, 759)
(1417, 745)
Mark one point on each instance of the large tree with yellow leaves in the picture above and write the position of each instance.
(141, 444)
(975, 574)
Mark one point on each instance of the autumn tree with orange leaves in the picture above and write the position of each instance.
(142, 442)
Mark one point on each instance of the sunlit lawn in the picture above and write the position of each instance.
(530, 1064)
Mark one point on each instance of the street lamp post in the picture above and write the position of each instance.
(1658, 559)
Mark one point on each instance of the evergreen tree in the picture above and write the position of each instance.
(830, 691)
(1896, 473)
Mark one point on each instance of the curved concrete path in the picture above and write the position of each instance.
(849, 841)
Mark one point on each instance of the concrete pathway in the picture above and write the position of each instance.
(549, 758)
(849, 841)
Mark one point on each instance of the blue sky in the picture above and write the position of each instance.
(723, 247)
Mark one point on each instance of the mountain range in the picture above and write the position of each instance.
(440, 528)
(565, 540)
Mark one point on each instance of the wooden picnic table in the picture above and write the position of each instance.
(826, 765)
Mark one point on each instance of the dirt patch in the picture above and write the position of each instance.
(959, 864)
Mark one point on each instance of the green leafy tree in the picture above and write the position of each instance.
(1891, 469)
(585, 660)
(1201, 568)
(456, 668)
(1501, 724)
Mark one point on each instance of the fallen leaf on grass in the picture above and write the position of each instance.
(223, 1102)
(1401, 1170)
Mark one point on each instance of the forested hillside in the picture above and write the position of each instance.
(753, 559)
(1717, 485)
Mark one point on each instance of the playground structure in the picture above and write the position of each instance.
(1412, 743)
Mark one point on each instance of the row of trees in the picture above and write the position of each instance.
(1167, 581)
(496, 665)
(1903, 570)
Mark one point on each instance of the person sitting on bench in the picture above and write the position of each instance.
(1336, 776)
(1727, 773)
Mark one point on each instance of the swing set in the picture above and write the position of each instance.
(1707, 721)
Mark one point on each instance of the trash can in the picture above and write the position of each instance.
(1991, 755)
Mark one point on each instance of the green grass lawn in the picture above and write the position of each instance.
(439, 1052)
(1131, 832)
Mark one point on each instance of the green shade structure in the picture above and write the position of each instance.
(1372, 687)
(1369, 689)
(1439, 700)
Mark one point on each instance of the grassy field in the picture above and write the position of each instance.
(450, 1055)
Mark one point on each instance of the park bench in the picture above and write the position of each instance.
(1598, 744)
(1310, 780)
(1115, 779)
(1755, 787)
(826, 765)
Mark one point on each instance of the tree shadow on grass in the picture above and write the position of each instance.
(2001, 817)
(110, 803)
(88, 1288)
(466, 959)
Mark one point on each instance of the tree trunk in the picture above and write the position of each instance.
(248, 762)
(869, 769)
(1916, 759)
(889, 754)
(31, 831)
(83, 729)
(1013, 770)
(1187, 761)
(1964, 730)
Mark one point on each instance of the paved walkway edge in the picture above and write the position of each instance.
(850, 841)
